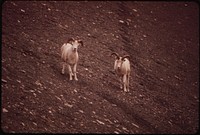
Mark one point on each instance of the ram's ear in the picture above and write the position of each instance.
(116, 54)
(126, 56)
(70, 40)
(80, 42)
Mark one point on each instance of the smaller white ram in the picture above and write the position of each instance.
(69, 55)
(122, 68)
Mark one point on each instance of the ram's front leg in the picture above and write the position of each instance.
(121, 82)
(74, 70)
(70, 72)
(63, 68)
(125, 82)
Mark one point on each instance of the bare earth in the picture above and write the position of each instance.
(162, 39)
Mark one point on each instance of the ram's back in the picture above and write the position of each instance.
(65, 49)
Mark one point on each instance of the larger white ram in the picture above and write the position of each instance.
(69, 55)
(122, 68)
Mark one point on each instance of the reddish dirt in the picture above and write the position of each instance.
(162, 39)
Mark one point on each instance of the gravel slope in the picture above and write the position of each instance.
(162, 39)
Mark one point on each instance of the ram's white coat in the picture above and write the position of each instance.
(69, 55)
(122, 69)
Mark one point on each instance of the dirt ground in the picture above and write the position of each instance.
(162, 39)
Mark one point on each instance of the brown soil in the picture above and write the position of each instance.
(162, 39)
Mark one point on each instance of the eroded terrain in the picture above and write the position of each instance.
(162, 39)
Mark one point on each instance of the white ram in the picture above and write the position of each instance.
(69, 55)
(122, 68)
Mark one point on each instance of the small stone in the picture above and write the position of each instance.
(124, 128)
(116, 132)
(38, 83)
(5, 110)
(135, 125)
(18, 81)
(100, 122)
(145, 36)
(32, 91)
(35, 123)
(90, 103)
(121, 21)
(23, 124)
(75, 90)
(67, 104)
(4, 81)
(81, 111)
(23, 71)
(34, 94)
(135, 10)
(22, 10)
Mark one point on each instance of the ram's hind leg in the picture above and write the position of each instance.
(120, 82)
(70, 72)
(74, 70)
(127, 84)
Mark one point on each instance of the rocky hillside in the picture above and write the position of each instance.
(162, 39)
